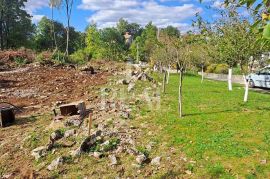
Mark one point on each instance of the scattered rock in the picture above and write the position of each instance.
(76, 153)
(132, 151)
(141, 158)
(131, 87)
(88, 69)
(69, 133)
(74, 121)
(113, 160)
(123, 81)
(56, 163)
(156, 161)
(97, 154)
(56, 135)
(125, 114)
(89, 141)
(263, 162)
(119, 150)
(188, 172)
(39, 152)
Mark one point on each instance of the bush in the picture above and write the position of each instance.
(49, 58)
(79, 57)
(217, 68)
(211, 68)
(221, 69)
(45, 58)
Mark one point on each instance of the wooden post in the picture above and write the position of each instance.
(90, 122)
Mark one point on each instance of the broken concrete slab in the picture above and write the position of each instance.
(76, 108)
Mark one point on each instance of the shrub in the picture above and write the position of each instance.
(221, 69)
(211, 68)
(79, 57)
(45, 58)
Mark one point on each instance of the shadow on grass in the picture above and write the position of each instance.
(215, 112)
(25, 120)
(170, 174)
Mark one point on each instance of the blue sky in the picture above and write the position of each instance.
(106, 13)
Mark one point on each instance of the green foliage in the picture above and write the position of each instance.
(143, 150)
(221, 69)
(20, 60)
(146, 43)
(106, 43)
(44, 39)
(112, 144)
(79, 57)
(16, 27)
(211, 68)
(216, 170)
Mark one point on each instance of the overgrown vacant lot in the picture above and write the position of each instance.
(225, 136)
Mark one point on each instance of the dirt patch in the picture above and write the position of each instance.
(38, 88)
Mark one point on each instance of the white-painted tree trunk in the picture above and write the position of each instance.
(202, 75)
(246, 88)
(230, 79)
(168, 76)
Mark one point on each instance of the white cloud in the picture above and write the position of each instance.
(218, 4)
(106, 13)
(32, 6)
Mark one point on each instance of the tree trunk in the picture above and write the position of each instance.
(246, 88)
(230, 79)
(164, 82)
(53, 29)
(180, 109)
(168, 77)
(202, 75)
(69, 4)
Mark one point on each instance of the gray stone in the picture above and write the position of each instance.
(140, 159)
(39, 152)
(125, 114)
(89, 141)
(76, 153)
(70, 133)
(97, 154)
(56, 135)
(132, 151)
(56, 163)
(156, 161)
(131, 87)
(73, 121)
(113, 160)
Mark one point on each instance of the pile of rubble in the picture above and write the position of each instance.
(110, 137)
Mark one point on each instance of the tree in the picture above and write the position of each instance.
(146, 43)
(112, 44)
(43, 36)
(68, 7)
(93, 41)
(183, 60)
(54, 4)
(124, 26)
(16, 28)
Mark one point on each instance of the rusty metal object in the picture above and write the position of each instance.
(7, 116)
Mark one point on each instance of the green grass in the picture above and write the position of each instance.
(227, 137)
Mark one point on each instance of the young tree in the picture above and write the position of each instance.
(54, 4)
(68, 6)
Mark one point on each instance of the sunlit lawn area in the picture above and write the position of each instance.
(225, 136)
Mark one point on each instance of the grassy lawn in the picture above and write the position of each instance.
(226, 137)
